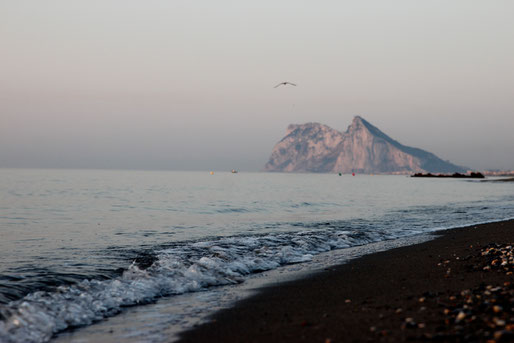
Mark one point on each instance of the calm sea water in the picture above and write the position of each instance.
(77, 246)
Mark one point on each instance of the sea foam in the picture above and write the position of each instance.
(184, 267)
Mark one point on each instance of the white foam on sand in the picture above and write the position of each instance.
(186, 267)
(165, 319)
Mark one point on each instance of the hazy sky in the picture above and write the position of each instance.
(188, 85)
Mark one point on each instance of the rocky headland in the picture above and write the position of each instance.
(471, 175)
(362, 148)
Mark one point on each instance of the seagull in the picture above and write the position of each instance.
(284, 84)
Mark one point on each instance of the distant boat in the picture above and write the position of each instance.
(234, 171)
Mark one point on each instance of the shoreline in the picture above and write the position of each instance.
(419, 292)
(159, 322)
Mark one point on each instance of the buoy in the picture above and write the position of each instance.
(212, 173)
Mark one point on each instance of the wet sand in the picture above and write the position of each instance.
(456, 288)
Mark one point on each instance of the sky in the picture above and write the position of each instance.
(188, 85)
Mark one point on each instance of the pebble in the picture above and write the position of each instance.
(409, 323)
(504, 335)
(498, 321)
(465, 292)
(460, 317)
(484, 313)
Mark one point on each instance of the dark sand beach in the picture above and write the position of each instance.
(456, 288)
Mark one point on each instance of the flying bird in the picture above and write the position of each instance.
(284, 84)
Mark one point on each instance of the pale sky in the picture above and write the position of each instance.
(188, 85)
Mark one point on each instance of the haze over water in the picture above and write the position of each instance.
(189, 86)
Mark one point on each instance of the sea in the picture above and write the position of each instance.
(139, 256)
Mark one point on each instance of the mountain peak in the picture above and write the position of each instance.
(357, 120)
(358, 123)
(363, 148)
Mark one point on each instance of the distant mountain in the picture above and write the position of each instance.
(363, 148)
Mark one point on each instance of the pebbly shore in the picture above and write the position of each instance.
(458, 287)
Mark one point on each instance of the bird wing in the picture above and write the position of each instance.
(285, 83)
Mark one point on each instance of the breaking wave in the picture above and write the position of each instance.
(192, 266)
(183, 267)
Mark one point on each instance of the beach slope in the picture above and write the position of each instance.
(457, 287)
